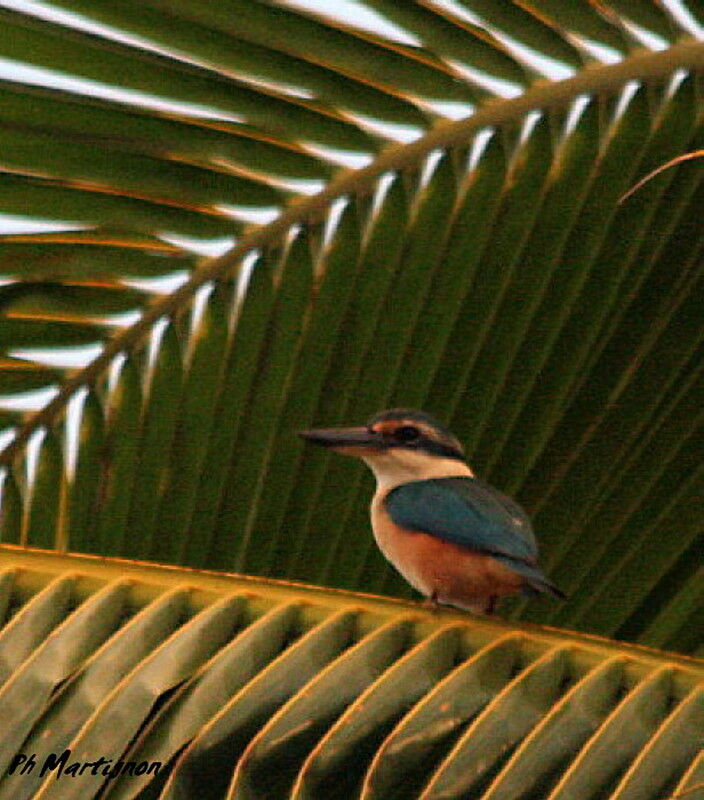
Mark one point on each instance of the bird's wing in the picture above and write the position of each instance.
(466, 512)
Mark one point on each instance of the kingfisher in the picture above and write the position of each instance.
(453, 537)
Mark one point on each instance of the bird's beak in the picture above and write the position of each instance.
(346, 439)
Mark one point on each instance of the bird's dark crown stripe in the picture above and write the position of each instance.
(411, 417)
(438, 449)
(434, 438)
(426, 445)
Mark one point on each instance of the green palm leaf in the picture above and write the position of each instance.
(238, 687)
(419, 206)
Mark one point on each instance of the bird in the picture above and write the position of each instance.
(456, 539)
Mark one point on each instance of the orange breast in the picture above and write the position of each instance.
(442, 570)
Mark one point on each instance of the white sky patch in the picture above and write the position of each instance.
(6, 437)
(121, 320)
(598, 50)
(531, 120)
(40, 76)
(429, 166)
(625, 99)
(82, 23)
(28, 401)
(497, 86)
(450, 109)
(345, 158)
(684, 17)
(155, 338)
(33, 448)
(397, 132)
(307, 186)
(549, 67)
(114, 371)
(460, 11)
(279, 87)
(258, 215)
(164, 284)
(201, 247)
(64, 357)
(12, 224)
(76, 21)
(333, 220)
(479, 145)
(74, 412)
(356, 15)
(244, 275)
(200, 301)
(677, 77)
(382, 189)
(293, 233)
(575, 113)
(287, 183)
(651, 40)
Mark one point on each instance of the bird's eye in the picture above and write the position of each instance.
(406, 433)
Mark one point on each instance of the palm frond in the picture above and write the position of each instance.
(416, 207)
(238, 687)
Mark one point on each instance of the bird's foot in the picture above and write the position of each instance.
(431, 604)
(486, 608)
(483, 608)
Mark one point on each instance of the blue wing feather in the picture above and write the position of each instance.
(467, 512)
(472, 514)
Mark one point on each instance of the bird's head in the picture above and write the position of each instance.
(399, 445)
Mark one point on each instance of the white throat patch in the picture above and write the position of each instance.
(398, 465)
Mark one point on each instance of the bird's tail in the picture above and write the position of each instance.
(536, 581)
(544, 586)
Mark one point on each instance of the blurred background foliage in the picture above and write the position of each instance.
(225, 221)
